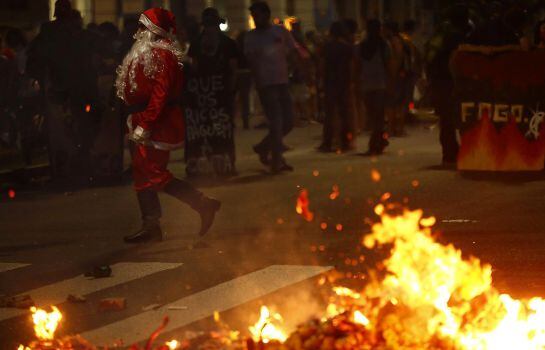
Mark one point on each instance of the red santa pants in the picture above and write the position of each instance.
(149, 167)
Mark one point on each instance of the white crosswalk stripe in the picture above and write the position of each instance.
(203, 304)
(11, 266)
(56, 293)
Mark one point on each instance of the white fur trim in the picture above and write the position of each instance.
(154, 28)
(163, 146)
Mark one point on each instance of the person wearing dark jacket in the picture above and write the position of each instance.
(338, 73)
(453, 33)
(373, 64)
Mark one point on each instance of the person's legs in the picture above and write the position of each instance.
(245, 84)
(276, 112)
(150, 176)
(272, 143)
(346, 108)
(205, 206)
(286, 126)
(329, 123)
(374, 103)
(447, 137)
(287, 110)
(263, 147)
(447, 123)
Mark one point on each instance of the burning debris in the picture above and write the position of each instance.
(424, 295)
(429, 297)
(302, 206)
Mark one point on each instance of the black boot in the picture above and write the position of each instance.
(205, 206)
(150, 208)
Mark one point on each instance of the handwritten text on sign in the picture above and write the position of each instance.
(209, 119)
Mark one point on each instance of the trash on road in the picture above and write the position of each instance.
(74, 298)
(102, 271)
(18, 302)
(112, 304)
(151, 307)
(176, 307)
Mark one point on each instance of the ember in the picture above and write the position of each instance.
(302, 206)
(335, 193)
(375, 175)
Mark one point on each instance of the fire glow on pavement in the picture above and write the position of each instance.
(424, 295)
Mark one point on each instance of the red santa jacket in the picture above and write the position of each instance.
(156, 96)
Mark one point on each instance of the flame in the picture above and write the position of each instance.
(87, 108)
(360, 318)
(375, 175)
(302, 204)
(346, 292)
(45, 323)
(484, 148)
(428, 297)
(289, 21)
(172, 345)
(441, 296)
(265, 329)
(335, 193)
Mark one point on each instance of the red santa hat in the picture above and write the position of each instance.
(159, 21)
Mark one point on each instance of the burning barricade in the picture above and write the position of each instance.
(424, 295)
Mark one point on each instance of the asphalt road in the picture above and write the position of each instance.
(259, 250)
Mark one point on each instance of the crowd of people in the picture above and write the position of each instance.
(59, 92)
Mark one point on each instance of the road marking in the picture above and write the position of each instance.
(56, 293)
(10, 266)
(203, 304)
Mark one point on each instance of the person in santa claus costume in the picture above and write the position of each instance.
(150, 81)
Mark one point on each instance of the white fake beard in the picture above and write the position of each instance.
(142, 53)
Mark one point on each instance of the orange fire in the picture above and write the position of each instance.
(425, 295)
(375, 175)
(302, 206)
(335, 192)
(484, 148)
(172, 345)
(441, 297)
(45, 323)
(267, 328)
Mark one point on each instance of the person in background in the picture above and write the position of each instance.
(313, 47)
(398, 76)
(338, 72)
(244, 82)
(414, 69)
(453, 32)
(298, 82)
(214, 59)
(61, 58)
(8, 72)
(267, 48)
(130, 27)
(515, 20)
(357, 107)
(539, 35)
(26, 104)
(373, 66)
